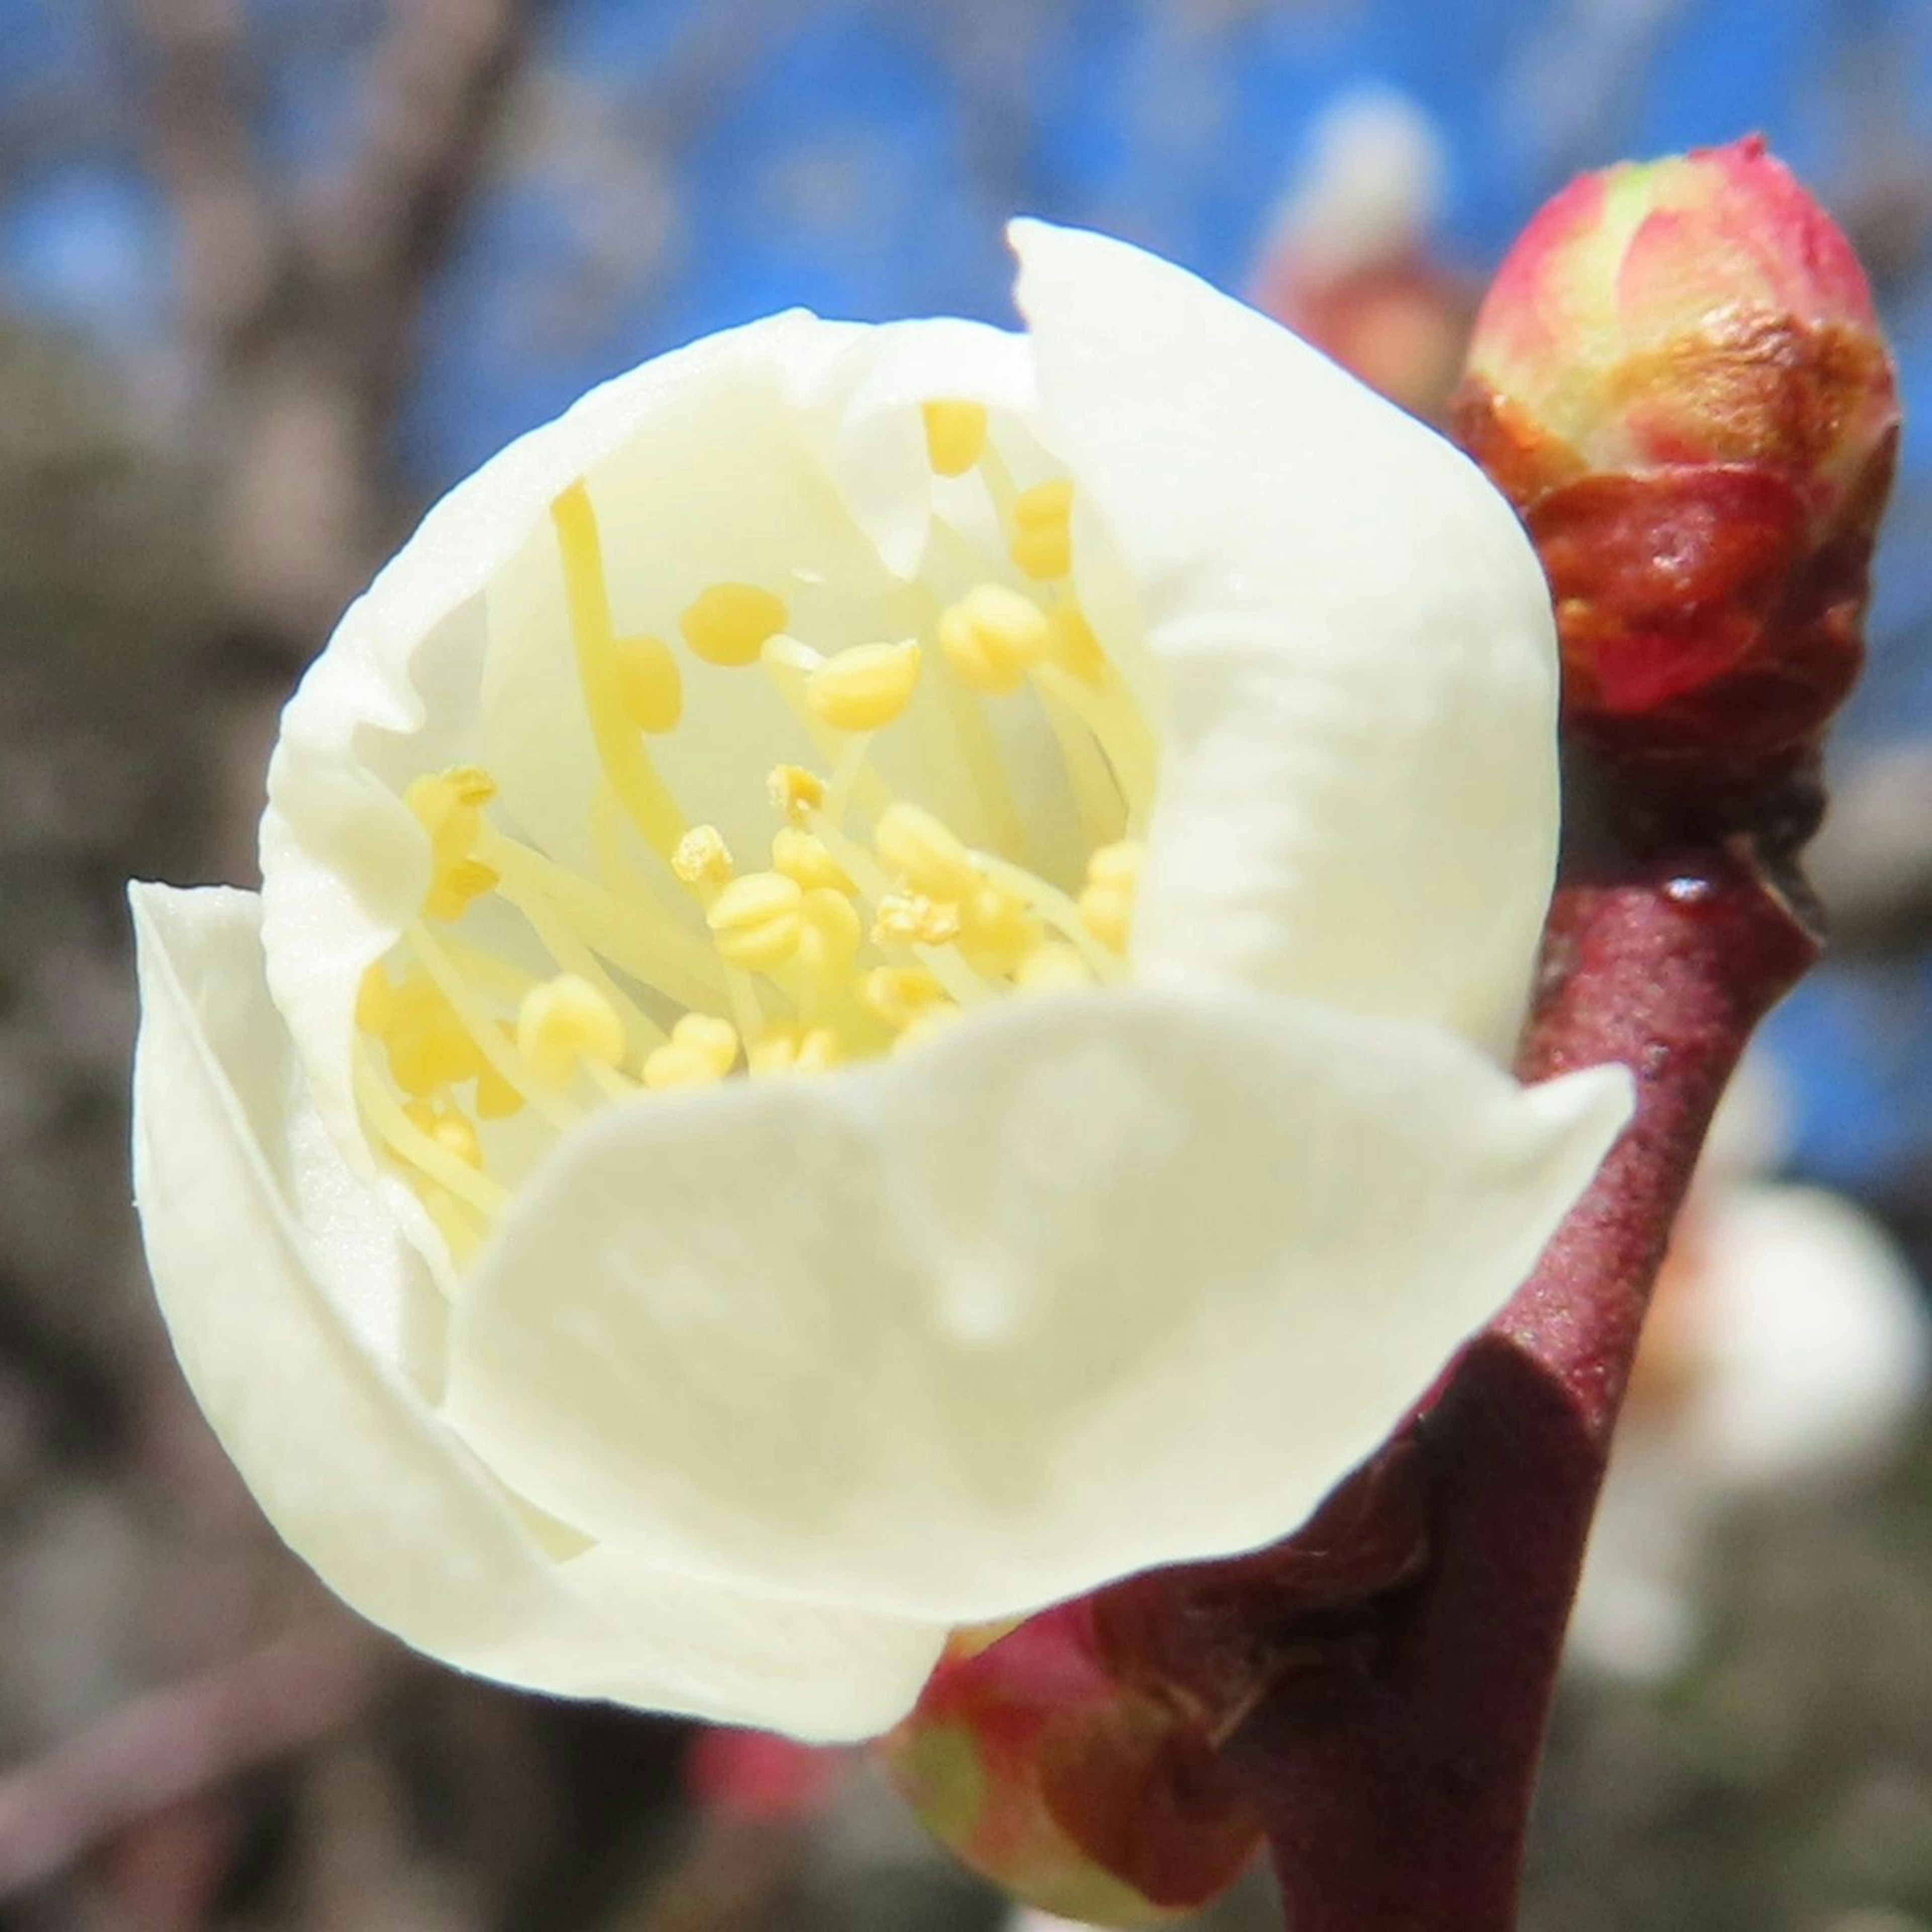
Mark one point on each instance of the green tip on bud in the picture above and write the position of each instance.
(1679, 378)
(1091, 1799)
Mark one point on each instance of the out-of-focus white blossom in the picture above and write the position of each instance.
(882, 993)
(1789, 1346)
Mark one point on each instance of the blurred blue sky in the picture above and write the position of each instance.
(678, 165)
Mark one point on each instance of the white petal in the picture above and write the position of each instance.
(1356, 660)
(254, 1227)
(1087, 1284)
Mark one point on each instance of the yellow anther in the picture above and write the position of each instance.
(428, 1046)
(450, 1127)
(1072, 645)
(757, 920)
(653, 684)
(829, 934)
(800, 855)
(564, 1021)
(955, 434)
(702, 858)
(991, 636)
(795, 792)
(375, 1001)
(729, 623)
(455, 886)
(915, 847)
(1051, 967)
(496, 1099)
(865, 689)
(898, 994)
(702, 1049)
(998, 930)
(790, 1049)
(449, 805)
(911, 919)
(1107, 904)
(1042, 544)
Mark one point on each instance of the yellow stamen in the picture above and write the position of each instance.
(955, 434)
(702, 1049)
(427, 1044)
(800, 855)
(728, 623)
(911, 919)
(917, 848)
(1042, 543)
(829, 937)
(865, 689)
(992, 636)
(565, 1021)
(702, 858)
(451, 1127)
(448, 806)
(756, 921)
(795, 792)
(653, 684)
(599, 670)
(898, 994)
(1107, 903)
(998, 930)
(790, 1049)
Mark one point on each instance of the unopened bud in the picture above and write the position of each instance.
(1097, 1800)
(1679, 379)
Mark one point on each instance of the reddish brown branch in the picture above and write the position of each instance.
(1395, 1768)
(173, 1743)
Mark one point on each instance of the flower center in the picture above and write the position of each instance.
(530, 990)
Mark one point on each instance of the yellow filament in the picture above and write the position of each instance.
(865, 689)
(1111, 715)
(422, 1151)
(600, 671)
(729, 623)
(791, 1049)
(651, 950)
(955, 434)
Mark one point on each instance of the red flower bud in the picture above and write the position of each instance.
(1679, 378)
(1094, 1799)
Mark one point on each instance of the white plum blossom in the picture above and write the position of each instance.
(882, 993)
(1787, 1350)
